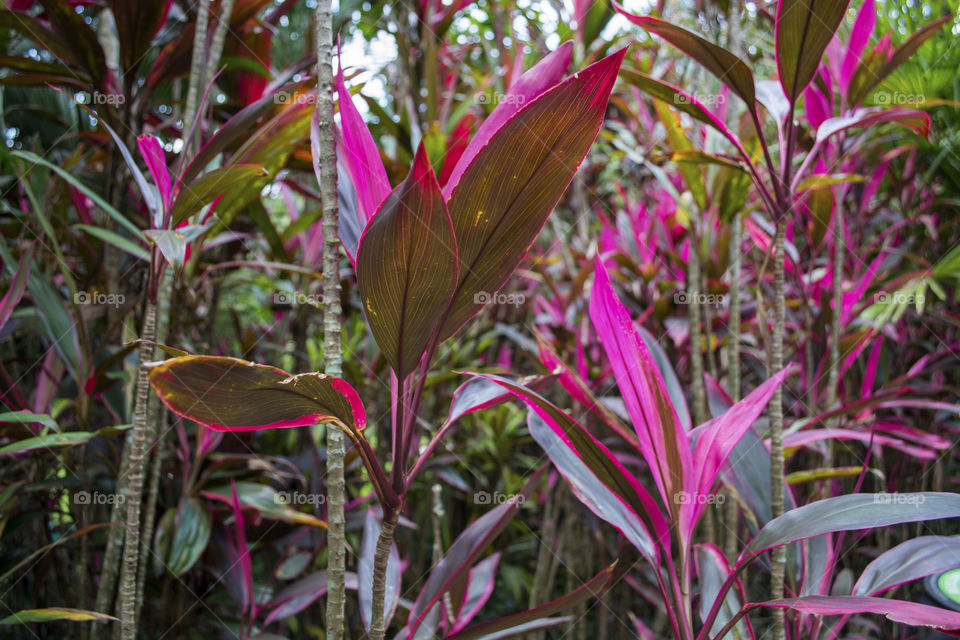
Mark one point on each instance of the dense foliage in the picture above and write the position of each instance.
(647, 319)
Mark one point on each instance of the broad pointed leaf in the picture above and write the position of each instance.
(202, 191)
(911, 560)
(407, 267)
(599, 480)
(664, 444)
(911, 613)
(543, 75)
(228, 394)
(504, 197)
(594, 587)
(803, 30)
(913, 119)
(850, 512)
(728, 68)
(54, 613)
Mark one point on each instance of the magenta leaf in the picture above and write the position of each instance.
(531, 84)
(480, 585)
(152, 154)
(716, 439)
(361, 157)
(242, 551)
(664, 444)
(590, 589)
(910, 613)
(598, 479)
(916, 120)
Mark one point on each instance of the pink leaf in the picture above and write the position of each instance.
(859, 37)
(897, 610)
(664, 445)
(152, 154)
(538, 79)
(362, 158)
(718, 438)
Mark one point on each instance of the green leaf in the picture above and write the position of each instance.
(824, 180)
(504, 197)
(407, 267)
(803, 30)
(692, 175)
(27, 417)
(172, 243)
(202, 191)
(264, 499)
(87, 191)
(56, 440)
(116, 240)
(54, 613)
(190, 536)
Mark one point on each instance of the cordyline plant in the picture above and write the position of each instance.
(686, 466)
(803, 31)
(428, 259)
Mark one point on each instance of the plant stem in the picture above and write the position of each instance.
(733, 348)
(327, 165)
(131, 547)
(216, 44)
(693, 302)
(778, 555)
(833, 373)
(380, 559)
(156, 423)
(196, 74)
